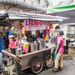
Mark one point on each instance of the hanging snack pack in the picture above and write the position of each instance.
(46, 38)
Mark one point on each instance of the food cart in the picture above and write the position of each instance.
(34, 59)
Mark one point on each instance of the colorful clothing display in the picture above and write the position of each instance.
(46, 38)
(38, 33)
(44, 33)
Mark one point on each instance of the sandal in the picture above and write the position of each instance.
(55, 70)
(60, 69)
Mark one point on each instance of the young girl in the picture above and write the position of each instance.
(13, 44)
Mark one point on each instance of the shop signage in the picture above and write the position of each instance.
(33, 25)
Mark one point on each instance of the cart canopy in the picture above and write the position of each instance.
(12, 15)
(3, 16)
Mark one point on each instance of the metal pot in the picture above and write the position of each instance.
(18, 51)
(41, 44)
(33, 46)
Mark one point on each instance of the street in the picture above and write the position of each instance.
(69, 68)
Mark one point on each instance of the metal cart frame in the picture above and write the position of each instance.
(25, 60)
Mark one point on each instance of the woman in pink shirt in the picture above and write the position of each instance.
(59, 51)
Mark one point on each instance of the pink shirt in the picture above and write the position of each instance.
(13, 44)
(60, 41)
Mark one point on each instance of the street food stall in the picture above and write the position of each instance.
(36, 53)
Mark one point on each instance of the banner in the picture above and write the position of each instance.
(33, 25)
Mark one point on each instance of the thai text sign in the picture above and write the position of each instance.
(34, 25)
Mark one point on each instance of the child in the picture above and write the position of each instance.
(13, 45)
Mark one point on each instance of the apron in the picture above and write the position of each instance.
(55, 50)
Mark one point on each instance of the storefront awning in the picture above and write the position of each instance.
(22, 4)
(64, 11)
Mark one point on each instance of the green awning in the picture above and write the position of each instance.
(61, 9)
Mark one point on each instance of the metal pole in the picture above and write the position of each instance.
(20, 34)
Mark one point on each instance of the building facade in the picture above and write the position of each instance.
(47, 3)
(32, 6)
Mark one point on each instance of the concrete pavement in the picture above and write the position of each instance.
(69, 68)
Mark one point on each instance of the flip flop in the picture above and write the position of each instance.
(60, 69)
(55, 70)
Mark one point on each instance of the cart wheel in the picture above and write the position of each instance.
(37, 65)
(48, 61)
